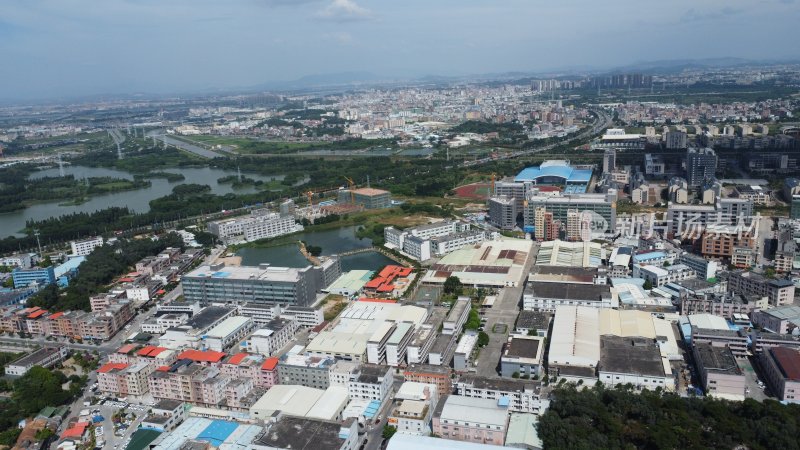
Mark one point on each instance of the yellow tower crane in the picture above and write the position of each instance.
(352, 188)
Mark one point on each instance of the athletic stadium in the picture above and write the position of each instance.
(558, 172)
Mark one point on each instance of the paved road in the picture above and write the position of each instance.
(197, 150)
(504, 312)
(603, 122)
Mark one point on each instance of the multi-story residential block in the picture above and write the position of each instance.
(457, 316)
(85, 246)
(503, 212)
(701, 164)
(523, 395)
(468, 419)
(121, 380)
(228, 333)
(603, 205)
(438, 375)
(273, 336)
(724, 304)
(415, 403)
(21, 260)
(705, 268)
(779, 292)
(261, 224)
(372, 383)
(659, 276)
(303, 370)
(719, 241)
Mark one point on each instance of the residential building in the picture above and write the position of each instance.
(476, 420)
(524, 395)
(659, 276)
(779, 291)
(705, 268)
(273, 336)
(503, 212)
(372, 383)
(305, 370)
(165, 416)
(457, 316)
(415, 404)
(85, 246)
(701, 164)
(228, 333)
(438, 375)
(463, 354)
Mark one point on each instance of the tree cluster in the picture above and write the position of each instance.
(623, 419)
(100, 268)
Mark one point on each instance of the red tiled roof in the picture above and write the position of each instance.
(151, 351)
(56, 315)
(76, 431)
(386, 288)
(202, 356)
(375, 282)
(269, 364)
(237, 358)
(37, 314)
(126, 348)
(108, 367)
(163, 369)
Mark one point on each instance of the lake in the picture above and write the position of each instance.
(331, 241)
(138, 200)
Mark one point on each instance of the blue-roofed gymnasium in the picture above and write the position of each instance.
(557, 173)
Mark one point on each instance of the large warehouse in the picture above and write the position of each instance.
(492, 264)
(360, 323)
(585, 346)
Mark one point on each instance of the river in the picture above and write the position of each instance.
(137, 200)
(331, 241)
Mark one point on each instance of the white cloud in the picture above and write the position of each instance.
(344, 11)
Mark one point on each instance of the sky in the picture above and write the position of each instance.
(68, 48)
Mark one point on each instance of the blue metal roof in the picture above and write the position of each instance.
(565, 172)
(648, 256)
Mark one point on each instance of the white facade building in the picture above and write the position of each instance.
(86, 246)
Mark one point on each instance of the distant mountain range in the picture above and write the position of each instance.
(360, 79)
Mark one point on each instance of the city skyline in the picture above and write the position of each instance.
(67, 49)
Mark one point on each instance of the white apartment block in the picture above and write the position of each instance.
(658, 276)
(259, 225)
(373, 382)
(86, 246)
(228, 333)
(272, 337)
(22, 260)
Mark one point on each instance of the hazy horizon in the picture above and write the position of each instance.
(71, 48)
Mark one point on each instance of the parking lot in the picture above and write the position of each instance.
(121, 419)
(499, 321)
(754, 390)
